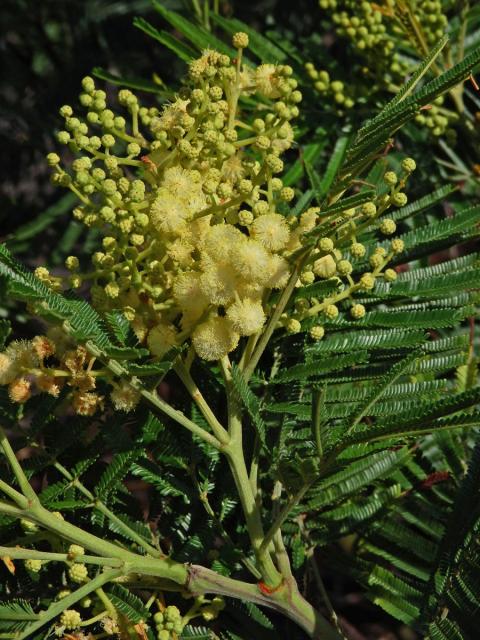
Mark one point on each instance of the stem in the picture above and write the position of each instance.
(282, 516)
(252, 515)
(274, 318)
(14, 494)
(153, 398)
(287, 600)
(17, 553)
(184, 375)
(100, 506)
(22, 479)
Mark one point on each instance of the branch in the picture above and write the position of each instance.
(22, 479)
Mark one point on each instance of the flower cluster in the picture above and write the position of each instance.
(186, 198)
(372, 28)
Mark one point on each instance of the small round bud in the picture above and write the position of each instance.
(75, 550)
(287, 194)
(78, 572)
(397, 245)
(108, 140)
(326, 245)
(133, 149)
(331, 311)
(317, 332)
(53, 159)
(376, 260)
(245, 217)
(369, 209)
(357, 311)
(88, 84)
(63, 137)
(367, 281)
(293, 326)
(399, 199)
(390, 275)
(344, 267)
(409, 165)
(357, 250)
(388, 226)
(33, 565)
(70, 619)
(390, 178)
(245, 186)
(72, 263)
(307, 277)
(240, 40)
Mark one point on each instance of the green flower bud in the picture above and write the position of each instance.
(72, 263)
(108, 140)
(409, 165)
(357, 250)
(287, 194)
(63, 137)
(326, 245)
(240, 40)
(293, 326)
(397, 245)
(317, 332)
(53, 159)
(369, 209)
(357, 311)
(399, 199)
(388, 226)
(390, 275)
(344, 267)
(390, 178)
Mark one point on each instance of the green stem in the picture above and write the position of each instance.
(12, 493)
(282, 516)
(22, 479)
(17, 553)
(274, 318)
(116, 368)
(287, 600)
(184, 375)
(100, 506)
(252, 515)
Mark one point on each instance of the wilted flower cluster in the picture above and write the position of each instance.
(50, 364)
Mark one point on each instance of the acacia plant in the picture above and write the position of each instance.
(269, 369)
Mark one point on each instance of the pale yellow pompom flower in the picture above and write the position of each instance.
(278, 273)
(181, 252)
(218, 281)
(220, 240)
(247, 316)
(251, 261)
(266, 80)
(181, 182)
(271, 230)
(161, 339)
(124, 397)
(214, 338)
(188, 293)
(169, 213)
